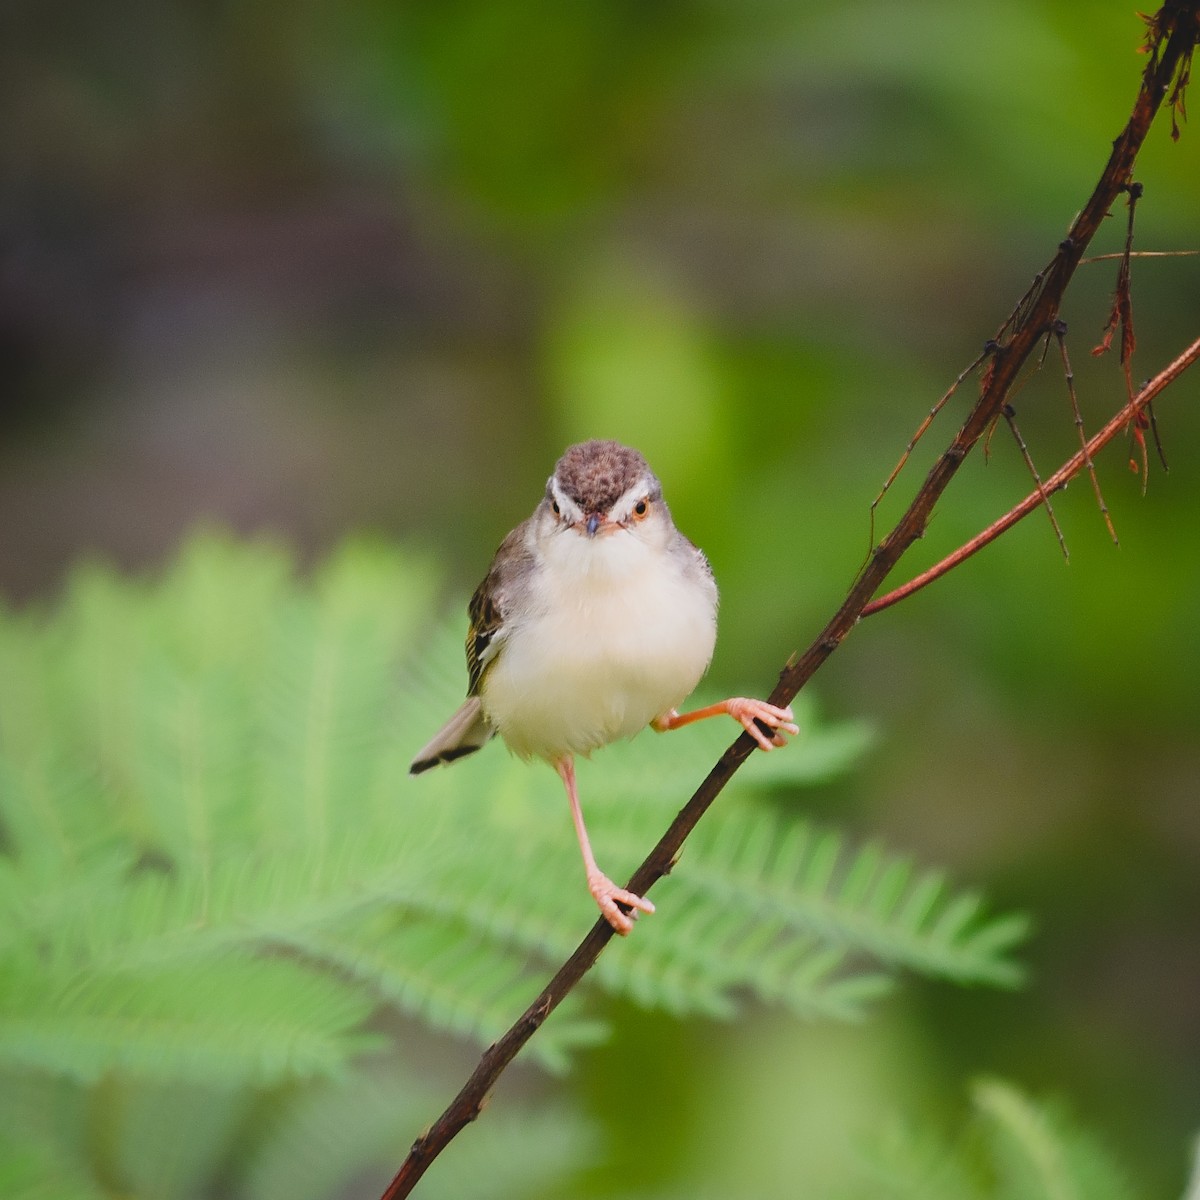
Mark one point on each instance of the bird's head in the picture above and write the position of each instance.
(602, 490)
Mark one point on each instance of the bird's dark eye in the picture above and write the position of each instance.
(641, 508)
(554, 505)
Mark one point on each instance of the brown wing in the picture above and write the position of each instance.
(490, 603)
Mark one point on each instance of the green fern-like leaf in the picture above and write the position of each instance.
(1039, 1154)
(350, 1132)
(206, 1021)
(914, 1164)
(1012, 1147)
(216, 874)
(211, 769)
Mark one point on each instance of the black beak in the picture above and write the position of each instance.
(593, 523)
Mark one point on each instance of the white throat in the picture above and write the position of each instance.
(618, 630)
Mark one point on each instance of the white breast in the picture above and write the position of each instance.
(618, 631)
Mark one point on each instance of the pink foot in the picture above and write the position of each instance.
(747, 712)
(607, 895)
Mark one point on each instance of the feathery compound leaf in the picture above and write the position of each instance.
(1011, 1148)
(868, 903)
(1038, 1154)
(230, 776)
(341, 1135)
(912, 1164)
(213, 1022)
(215, 867)
(464, 986)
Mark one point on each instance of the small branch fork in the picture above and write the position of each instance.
(1059, 480)
(1172, 35)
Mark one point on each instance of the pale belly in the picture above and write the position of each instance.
(600, 662)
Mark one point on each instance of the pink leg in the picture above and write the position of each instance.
(745, 712)
(606, 893)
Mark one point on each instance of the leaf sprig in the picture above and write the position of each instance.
(216, 872)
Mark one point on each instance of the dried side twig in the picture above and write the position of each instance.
(1095, 258)
(1174, 16)
(1059, 480)
(1171, 39)
(1120, 319)
(923, 428)
(1121, 315)
(1060, 333)
(1010, 416)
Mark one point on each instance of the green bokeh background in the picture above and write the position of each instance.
(321, 267)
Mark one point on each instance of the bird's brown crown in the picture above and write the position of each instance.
(596, 474)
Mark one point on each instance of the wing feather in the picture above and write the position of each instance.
(492, 602)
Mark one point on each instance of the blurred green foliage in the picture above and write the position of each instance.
(319, 267)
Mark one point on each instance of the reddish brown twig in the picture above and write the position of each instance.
(1030, 321)
(1172, 37)
(1055, 483)
(1121, 319)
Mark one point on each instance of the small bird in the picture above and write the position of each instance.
(596, 618)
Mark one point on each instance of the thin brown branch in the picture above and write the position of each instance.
(1060, 332)
(1059, 480)
(1030, 466)
(1034, 316)
(921, 430)
(1162, 454)
(1171, 41)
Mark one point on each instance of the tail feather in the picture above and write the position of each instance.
(463, 734)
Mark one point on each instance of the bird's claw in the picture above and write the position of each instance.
(748, 713)
(609, 897)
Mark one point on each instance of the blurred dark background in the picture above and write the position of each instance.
(317, 267)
